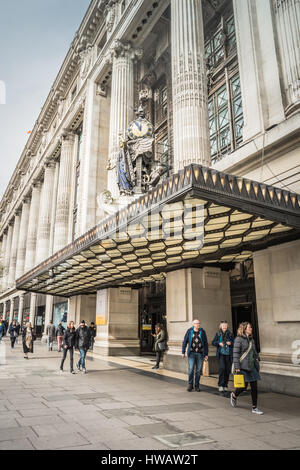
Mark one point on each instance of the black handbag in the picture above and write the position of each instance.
(162, 346)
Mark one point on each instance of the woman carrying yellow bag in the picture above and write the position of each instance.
(246, 364)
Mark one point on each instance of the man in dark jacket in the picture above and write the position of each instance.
(82, 342)
(196, 340)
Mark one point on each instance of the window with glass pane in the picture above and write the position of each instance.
(225, 101)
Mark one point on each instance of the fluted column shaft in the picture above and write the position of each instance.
(22, 238)
(32, 227)
(287, 17)
(43, 234)
(64, 192)
(121, 108)
(7, 256)
(190, 102)
(14, 250)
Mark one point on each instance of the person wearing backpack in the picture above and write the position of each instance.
(223, 341)
(246, 362)
(196, 340)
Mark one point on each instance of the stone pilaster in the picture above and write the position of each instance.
(4, 310)
(3, 251)
(14, 250)
(33, 298)
(22, 238)
(32, 226)
(43, 233)
(122, 102)
(64, 191)
(21, 306)
(287, 15)
(7, 257)
(190, 108)
(48, 314)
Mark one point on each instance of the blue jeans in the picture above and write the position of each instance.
(195, 363)
(81, 361)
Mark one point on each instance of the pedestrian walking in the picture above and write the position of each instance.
(82, 343)
(28, 339)
(50, 332)
(246, 362)
(68, 345)
(13, 330)
(223, 341)
(196, 340)
(93, 333)
(59, 335)
(2, 329)
(159, 343)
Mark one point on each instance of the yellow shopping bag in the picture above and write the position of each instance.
(205, 369)
(239, 381)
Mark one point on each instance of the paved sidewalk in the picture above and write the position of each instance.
(125, 405)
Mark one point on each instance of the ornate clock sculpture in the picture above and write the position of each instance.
(135, 162)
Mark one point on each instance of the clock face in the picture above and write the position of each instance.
(140, 128)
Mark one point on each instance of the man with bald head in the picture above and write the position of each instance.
(196, 340)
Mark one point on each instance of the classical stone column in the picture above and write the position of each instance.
(287, 17)
(23, 238)
(43, 233)
(11, 313)
(33, 298)
(7, 256)
(14, 250)
(3, 251)
(121, 108)
(190, 108)
(32, 226)
(21, 306)
(64, 191)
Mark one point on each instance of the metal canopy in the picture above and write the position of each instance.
(198, 216)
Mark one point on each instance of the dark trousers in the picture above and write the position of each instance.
(12, 341)
(158, 357)
(224, 370)
(71, 351)
(253, 386)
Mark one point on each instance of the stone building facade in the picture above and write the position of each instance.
(219, 81)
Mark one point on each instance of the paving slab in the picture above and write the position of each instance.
(16, 444)
(58, 442)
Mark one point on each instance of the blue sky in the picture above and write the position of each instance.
(35, 36)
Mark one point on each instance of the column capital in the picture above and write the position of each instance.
(122, 49)
(49, 163)
(26, 199)
(67, 134)
(36, 183)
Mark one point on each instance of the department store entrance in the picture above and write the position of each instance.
(243, 302)
(152, 310)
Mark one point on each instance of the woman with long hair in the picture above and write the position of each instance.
(159, 343)
(68, 345)
(246, 362)
(28, 339)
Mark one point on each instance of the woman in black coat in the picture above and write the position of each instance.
(68, 345)
(28, 339)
